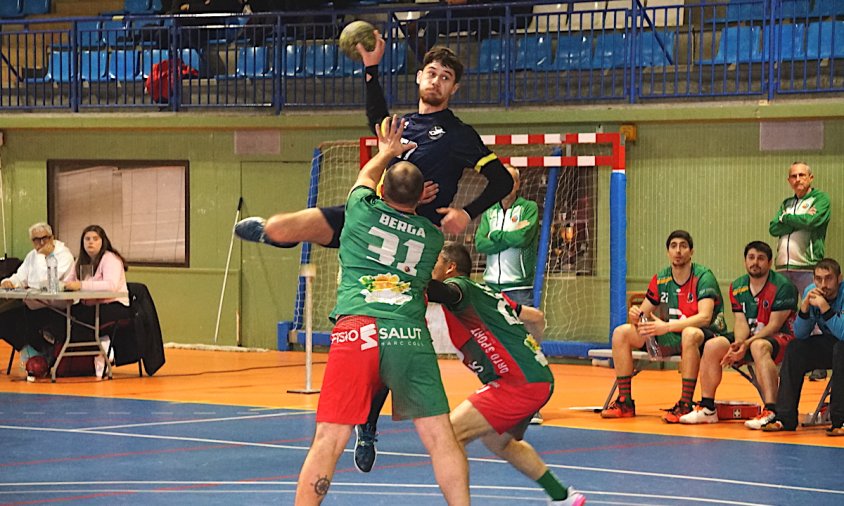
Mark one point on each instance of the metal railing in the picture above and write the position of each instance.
(515, 54)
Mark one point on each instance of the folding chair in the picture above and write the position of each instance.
(820, 415)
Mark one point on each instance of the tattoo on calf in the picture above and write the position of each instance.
(321, 486)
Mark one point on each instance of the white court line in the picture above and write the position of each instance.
(264, 484)
(195, 420)
(425, 456)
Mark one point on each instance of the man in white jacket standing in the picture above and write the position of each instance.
(23, 324)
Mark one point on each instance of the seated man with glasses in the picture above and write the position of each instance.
(22, 324)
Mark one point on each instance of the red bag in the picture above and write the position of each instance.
(161, 79)
(73, 366)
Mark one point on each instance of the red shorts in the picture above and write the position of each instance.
(351, 375)
(508, 407)
(368, 354)
(779, 342)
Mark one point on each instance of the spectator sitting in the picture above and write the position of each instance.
(31, 322)
(693, 314)
(764, 303)
(821, 309)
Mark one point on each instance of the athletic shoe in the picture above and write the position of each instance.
(700, 415)
(835, 431)
(365, 447)
(574, 499)
(773, 426)
(818, 375)
(673, 415)
(537, 419)
(252, 230)
(621, 408)
(764, 418)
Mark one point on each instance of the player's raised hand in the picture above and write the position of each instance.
(454, 220)
(372, 57)
(389, 137)
(429, 192)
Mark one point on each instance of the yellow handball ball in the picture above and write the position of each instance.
(385, 126)
(354, 33)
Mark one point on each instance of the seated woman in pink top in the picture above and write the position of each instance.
(98, 256)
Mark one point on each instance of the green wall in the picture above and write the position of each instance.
(693, 167)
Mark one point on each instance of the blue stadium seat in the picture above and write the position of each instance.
(573, 52)
(792, 9)
(252, 62)
(321, 60)
(124, 65)
(60, 66)
(739, 44)
(142, 6)
(825, 40)
(492, 57)
(823, 8)
(88, 34)
(651, 54)
(116, 34)
(11, 9)
(533, 52)
(150, 57)
(741, 10)
(791, 41)
(398, 63)
(292, 61)
(35, 7)
(610, 51)
(93, 65)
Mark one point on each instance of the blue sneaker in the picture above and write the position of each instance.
(365, 447)
(252, 230)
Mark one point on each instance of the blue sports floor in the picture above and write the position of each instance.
(87, 450)
(221, 428)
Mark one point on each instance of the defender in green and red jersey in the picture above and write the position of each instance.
(495, 344)
(682, 310)
(765, 305)
(380, 338)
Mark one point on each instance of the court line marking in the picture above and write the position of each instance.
(488, 488)
(425, 456)
(193, 420)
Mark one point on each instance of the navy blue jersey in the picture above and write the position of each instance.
(445, 147)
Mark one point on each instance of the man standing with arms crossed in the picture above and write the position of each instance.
(380, 338)
(800, 227)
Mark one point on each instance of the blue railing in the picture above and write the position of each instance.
(515, 54)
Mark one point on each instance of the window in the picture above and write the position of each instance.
(142, 205)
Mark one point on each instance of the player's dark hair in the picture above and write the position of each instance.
(403, 183)
(446, 58)
(761, 247)
(457, 253)
(828, 264)
(680, 234)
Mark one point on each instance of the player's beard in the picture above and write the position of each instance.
(757, 274)
(432, 99)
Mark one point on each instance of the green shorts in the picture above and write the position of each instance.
(671, 343)
(409, 368)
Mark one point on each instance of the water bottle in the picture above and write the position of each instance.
(52, 274)
(651, 344)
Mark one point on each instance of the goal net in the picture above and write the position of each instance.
(567, 176)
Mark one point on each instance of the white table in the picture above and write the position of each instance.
(46, 298)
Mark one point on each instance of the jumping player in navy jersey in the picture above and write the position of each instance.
(445, 147)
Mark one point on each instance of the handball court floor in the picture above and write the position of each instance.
(216, 427)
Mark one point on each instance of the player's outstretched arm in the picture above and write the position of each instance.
(534, 320)
(389, 146)
(376, 104)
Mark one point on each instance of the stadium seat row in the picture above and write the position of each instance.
(15, 9)
(744, 44)
(575, 52)
(741, 10)
(127, 65)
